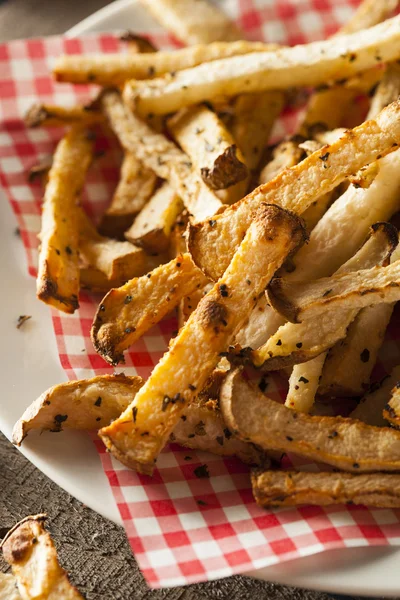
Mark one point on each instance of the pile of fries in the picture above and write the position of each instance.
(284, 257)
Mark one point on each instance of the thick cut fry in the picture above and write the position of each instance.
(303, 384)
(253, 118)
(193, 21)
(115, 69)
(349, 363)
(48, 115)
(297, 343)
(212, 149)
(188, 304)
(307, 65)
(162, 156)
(30, 551)
(152, 227)
(327, 109)
(371, 407)
(58, 274)
(344, 443)
(135, 187)
(212, 243)
(119, 261)
(8, 587)
(287, 154)
(369, 13)
(297, 301)
(290, 488)
(85, 404)
(391, 412)
(126, 313)
(194, 353)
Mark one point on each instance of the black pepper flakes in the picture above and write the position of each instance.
(279, 343)
(303, 379)
(289, 438)
(356, 465)
(134, 413)
(364, 356)
(326, 293)
(60, 419)
(202, 472)
(299, 344)
(128, 299)
(212, 222)
(333, 434)
(98, 401)
(263, 384)
(324, 157)
(192, 387)
(68, 250)
(223, 290)
(227, 433)
(220, 440)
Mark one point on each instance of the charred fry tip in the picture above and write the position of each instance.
(39, 518)
(227, 170)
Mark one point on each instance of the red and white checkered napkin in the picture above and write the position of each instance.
(182, 529)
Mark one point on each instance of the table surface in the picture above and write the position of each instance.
(93, 550)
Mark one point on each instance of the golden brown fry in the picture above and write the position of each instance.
(115, 69)
(152, 227)
(162, 156)
(135, 187)
(303, 384)
(291, 488)
(371, 406)
(48, 115)
(349, 363)
(194, 353)
(193, 21)
(212, 243)
(357, 289)
(30, 551)
(344, 443)
(126, 313)
(212, 149)
(119, 261)
(391, 412)
(307, 65)
(58, 274)
(85, 404)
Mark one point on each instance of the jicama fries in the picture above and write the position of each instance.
(46, 115)
(58, 274)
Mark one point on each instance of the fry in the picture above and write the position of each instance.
(371, 406)
(290, 488)
(85, 404)
(30, 551)
(48, 115)
(135, 187)
(391, 412)
(296, 343)
(212, 243)
(387, 91)
(299, 66)
(115, 69)
(253, 118)
(127, 312)
(357, 289)
(8, 587)
(209, 330)
(152, 226)
(349, 363)
(344, 443)
(287, 154)
(57, 282)
(188, 304)
(303, 384)
(193, 21)
(119, 261)
(208, 143)
(369, 13)
(159, 154)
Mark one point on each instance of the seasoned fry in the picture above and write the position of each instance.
(85, 404)
(303, 384)
(371, 407)
(287, 154)
(357, 289)
(369, 13)
(30, 551)
(212, 243)
(349, 364)
(344, 443)
(152, 226)
(205, 139)
(115, 69)
(297, 343)
(57, 282)
(193, 21)
(135, 187)
(291, 488)
(307, 65)
(159, 154)
(188, 304)
(194, 353)
(8, 587)
(47, 115)
(253, 118)
(119, 261)
(126, 313)
(391, 412)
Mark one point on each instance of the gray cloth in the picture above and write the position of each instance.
(93, 550)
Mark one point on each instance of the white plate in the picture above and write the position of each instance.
(30, 365)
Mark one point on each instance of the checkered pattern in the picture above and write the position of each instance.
(182, 529)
